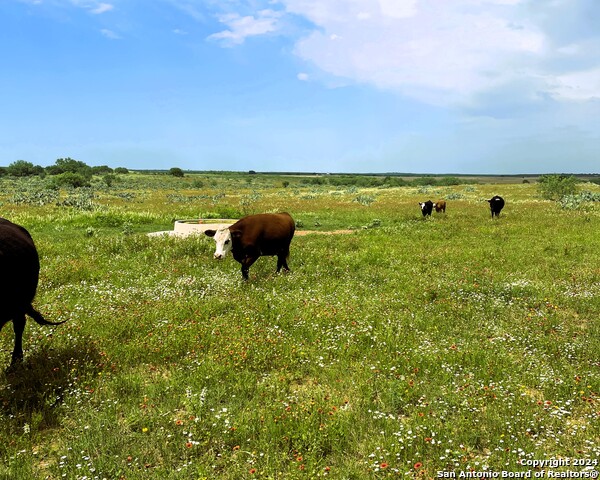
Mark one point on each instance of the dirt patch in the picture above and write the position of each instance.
(301, 233)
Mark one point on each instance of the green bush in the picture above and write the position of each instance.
(176, 172)
(69, 165)
(554, 187)
(365, 200)
(102, 170)
(109, 179)
(70, 179)
(22, 168)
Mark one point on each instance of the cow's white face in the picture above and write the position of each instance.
(422, 206)
(223, 240)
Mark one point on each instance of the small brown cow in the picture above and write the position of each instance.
(19, 274)
(440, 206)
(255, 236)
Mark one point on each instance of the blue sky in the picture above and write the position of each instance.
(421, 86)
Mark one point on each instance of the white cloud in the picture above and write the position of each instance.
(398, 8)
(241, 27)
(438, 51)
(441, 52)
(303, 77)
(102, 8)
(578, 86)
(189, 9)
(110, 34)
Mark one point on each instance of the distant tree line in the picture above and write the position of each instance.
(65, 171)
(378, 181)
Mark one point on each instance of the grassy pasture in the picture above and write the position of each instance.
(407, 347)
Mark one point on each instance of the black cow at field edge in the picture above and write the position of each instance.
(496, 205)
(254, 236)
(19, 274)
(426, 207)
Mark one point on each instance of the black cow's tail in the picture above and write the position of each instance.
(37, 316)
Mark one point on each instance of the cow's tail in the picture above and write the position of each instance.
(37, 316)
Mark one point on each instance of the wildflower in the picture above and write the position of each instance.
(189, 444)
(418, 465)
(428, 439)
(383, 465)
(179, 422)
(144, 430)
(237, 447)
(252, 471)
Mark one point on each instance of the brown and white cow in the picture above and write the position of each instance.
(440, 206)
(19, 274)
(254, 236)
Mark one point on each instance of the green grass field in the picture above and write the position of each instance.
(405, 348)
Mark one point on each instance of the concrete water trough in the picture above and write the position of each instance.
(185, 228)
(197, 226)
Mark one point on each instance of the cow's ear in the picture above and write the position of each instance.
(210, 233)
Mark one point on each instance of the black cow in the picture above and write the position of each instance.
(19, 274)
(496, 205)
(426, 207)
(254, 236)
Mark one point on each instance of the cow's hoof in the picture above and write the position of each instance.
(14, 366)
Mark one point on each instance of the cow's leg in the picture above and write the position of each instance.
(18, 326)
(246, 264)
(282, 261)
